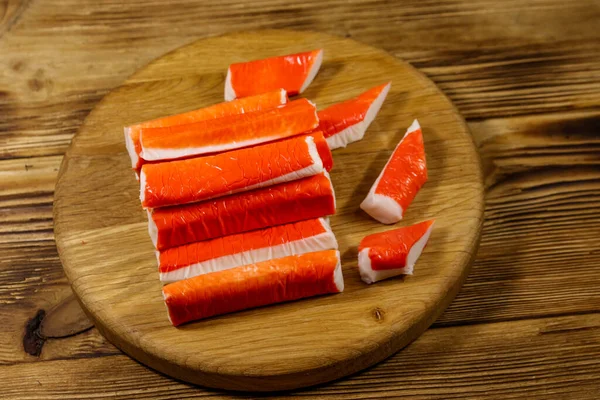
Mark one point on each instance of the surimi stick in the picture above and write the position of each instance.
(203, 178)
(262, 101)
(226, 252)
(346, 122)
(293, 72)
(392, 253)
(228, 133)
(254, 285)
(400, 180)
(306, 198)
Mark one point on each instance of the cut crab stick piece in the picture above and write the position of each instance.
(346, 122)
(259, 102)
(400, 180)
(226, 252)
(204, 178)
(392, 253)
(306, 198)
(293, 72)
(267, 282)
(228, 133)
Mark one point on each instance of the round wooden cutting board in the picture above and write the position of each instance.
(101, 229)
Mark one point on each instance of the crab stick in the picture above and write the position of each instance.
(228, 133)
(204, 178)
(226, 252)
(293, 72)
(400, 180)
(346, 122)
(306, 198)
(392, 253)
(262, 101)
(254, 285)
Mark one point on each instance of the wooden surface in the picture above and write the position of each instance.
(526, 74)
(102, 233)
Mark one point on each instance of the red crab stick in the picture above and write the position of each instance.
(203, 178)
(228, 133)
(392, 253)
(400, 180)
(226, 252)
(346, 122)
(254, 285)
(292, 72)
(298, 200)
(262, 101)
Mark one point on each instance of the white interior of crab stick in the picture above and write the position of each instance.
(133, 155)
(152, 228)
(313, 71)
(322, 241)
(338, 277)
(357, 131)
(229, 92)
(167, 154)
(381, 207)
(369, 275)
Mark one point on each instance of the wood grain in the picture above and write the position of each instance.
(61, 57)
(486, 57)
(102, 236)
(552, 358)
(31, 267)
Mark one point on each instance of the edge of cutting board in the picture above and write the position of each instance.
(100, 228)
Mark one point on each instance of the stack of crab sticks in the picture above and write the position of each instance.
(238, 194)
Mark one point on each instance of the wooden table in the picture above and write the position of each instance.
(525, 74)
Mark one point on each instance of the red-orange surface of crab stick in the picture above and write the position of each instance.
(346, 122)
(204, 178)
(244, 248)
(228, 133)
(306, 198)
(254, 285)
(395, 252)
(259, 102)
(400, 180)
(293, 72)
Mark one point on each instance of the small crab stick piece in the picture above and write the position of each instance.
(204, 178)
(400, 180)
(228, 133)
(226, 252)
(306, 198)
(293, 72)
(259, 102)
(346, 122)
(392, 253)
(254, 285)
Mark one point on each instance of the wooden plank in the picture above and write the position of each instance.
(541, 222)
(26, 182)
(519, 145)
(32, 280)
(492, 59)
(31, 275)
(536, 359)
(63, 56)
